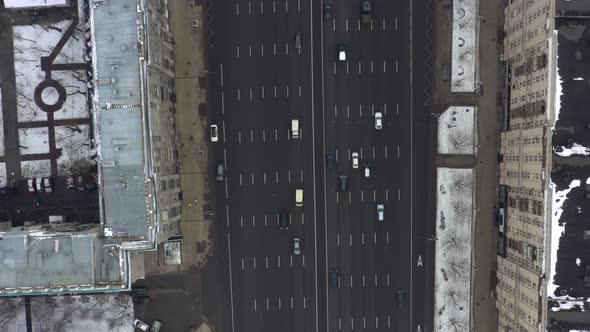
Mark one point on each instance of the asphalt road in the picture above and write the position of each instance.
(258, 83)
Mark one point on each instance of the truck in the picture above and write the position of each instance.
(366, 9)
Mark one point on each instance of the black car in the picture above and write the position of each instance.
(327, 8)
(141, 299)
(284, 220)
(139, 290)
(333, 277)
(342, 183)
(330, 160)
(400, 298)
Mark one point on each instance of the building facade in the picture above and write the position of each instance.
(525, 140)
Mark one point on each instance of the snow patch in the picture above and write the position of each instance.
(576, 149)
(456, 130)
(74, 143)
(3, 175)
(33, 140)
(464, 45)
(578, 78)
(578, 261)
(454, 218)
(557, 230)
(35, 168)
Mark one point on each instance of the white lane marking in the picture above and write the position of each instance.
(338, 240)
(383, 25)
(279, 262)
(388, 279)
(384, 66)
(362, 196)
(223, 129)
(363, 239)
(376, 322)
(275, 89)
(287, 88)
(371, 24)
(361, 154)
(396, 24)
(254, 263)
(299, 5)
(226, 191)
(262, 91)
(279, 303)
(339, 323)
(264, 177)
(242, 263)
(240, 179)
(261, 49)
(265, 219)
(252, 177)
(304, 303)
(299, 90)
(239, 94)
(267, 304)
(291, 302)
(274, 48)
(249, 8)
(347, 111)
(263, 136)
(346, 67)
(237, 9)
(301, 176)
(361, 111)
(374, 195)
(334, 68)
(254, 226)
(241, 221)
(396, 66)
(274, 7)
(386, 152)
(251, 136)
(397, 109)
(386, 194)
(287, 48)
(350, 240)
(385, 109)
(289, 175)
(349, 197)
(399, 194)
(254, 304)
(250, 94)
(373, 152)
(227, 212)
(336, 155)
(276, 134)
(387, 235)
(398, 152)
(388, 321)
(222, 103)
(372, 67)
(376, 280)
(303, 260)
(286, 6)
(277, 177)
(351, 284)
(337, 198)
(261, 7)
(250, 50)
(291, 260)
(334, 24)
(335, 111)
(346, 24)
(221, 74)
(363, 286)
(302, 218)
(375, 238)
(266, 262)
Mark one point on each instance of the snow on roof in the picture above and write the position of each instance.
(35, 3)
(557, 230)
(464, 42)
(3, 178)
(2, 152)
(456, 130)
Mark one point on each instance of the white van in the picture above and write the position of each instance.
(295, 128)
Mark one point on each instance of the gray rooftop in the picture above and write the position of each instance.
(119, 114)
(39, 260)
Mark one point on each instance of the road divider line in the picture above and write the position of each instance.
(276, 135)
(251, 136)
(386, 152)
(279, 303)
(286, 6)
(242, 263)
(383, 25)
(346, 67)
(279, 262)
(254, 224)
(240, 179)
(291, 302)
(386, 194)
(384, 66)
(301, 176)
(363, 240)
(360, 110)
(264, 177)
(261, 49)
(372, 68)
(252, 174)
(303, 260)
(351, 284)
(396, 24)
(334, 24)
(261, 7)
(227, 214)
(397, 109)
(299, 90)
(373, 152)
(338, 240)
(237, 9)
(266, 262)
(222, 103)
(291, 260)
(264, 137)
(254, 306)
(289, 176)
(238, 51)
(221, 73)
(360, 68)
(399, 194)
(350, 240)
(334, 68)
(388, 280)
(231, 287)
(241, 221)
(363, 287)
(267, 304)
(387, 235)
(249, 8)
(346, 23)
(254, 262)
(398, 152)
(376, 283)
(250, 50)
(265, 220)
(274, 7)
(396, 66)
(302, 218)
(299, 5)
(287, 88)
(250, 94)
(239, 94)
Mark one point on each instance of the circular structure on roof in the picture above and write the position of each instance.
(50, 95)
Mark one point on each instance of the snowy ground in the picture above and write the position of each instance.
(464, 52)
(456, 130)
(35, 168)
(31, 42)
(454, 218)
(33, 140)
(75, 147)
(104, 312)
(3, 175)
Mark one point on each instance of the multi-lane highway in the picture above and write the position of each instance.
(259, 82)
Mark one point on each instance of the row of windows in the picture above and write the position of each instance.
(526, 140)
(526, 191)
(535, 79)
(528, 97)
(528, 158)
(524, 175)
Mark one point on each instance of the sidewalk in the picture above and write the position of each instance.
(484, 314)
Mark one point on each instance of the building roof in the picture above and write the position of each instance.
(35, 3)
(120, 122)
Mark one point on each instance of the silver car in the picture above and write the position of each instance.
(296, 246)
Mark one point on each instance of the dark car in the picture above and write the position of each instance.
(327, 8)
(80, 183)
(284, 220)
(333, 277)
(70, 183)
(139, 290)
(342, 183)
(141, 299)
(400, 298)
(330, 160)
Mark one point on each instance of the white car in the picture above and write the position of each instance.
(341, 53)
(47, 185)
(140, 325)
(39, 184)
(367, 171)
(355, 160)
(380, 212)
(31, 184)
(214, 133)
(296, 246)
(378, 120)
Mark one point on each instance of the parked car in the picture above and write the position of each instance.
(355, 160)
(214, 133)
(70, 182)
(296, 246)
(139, 290)
(31, 185)
(80, 183)
(39, 184)
(47, 184)
(220, 172)
(140, 325)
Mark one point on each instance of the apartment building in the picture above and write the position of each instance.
(525, 144)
